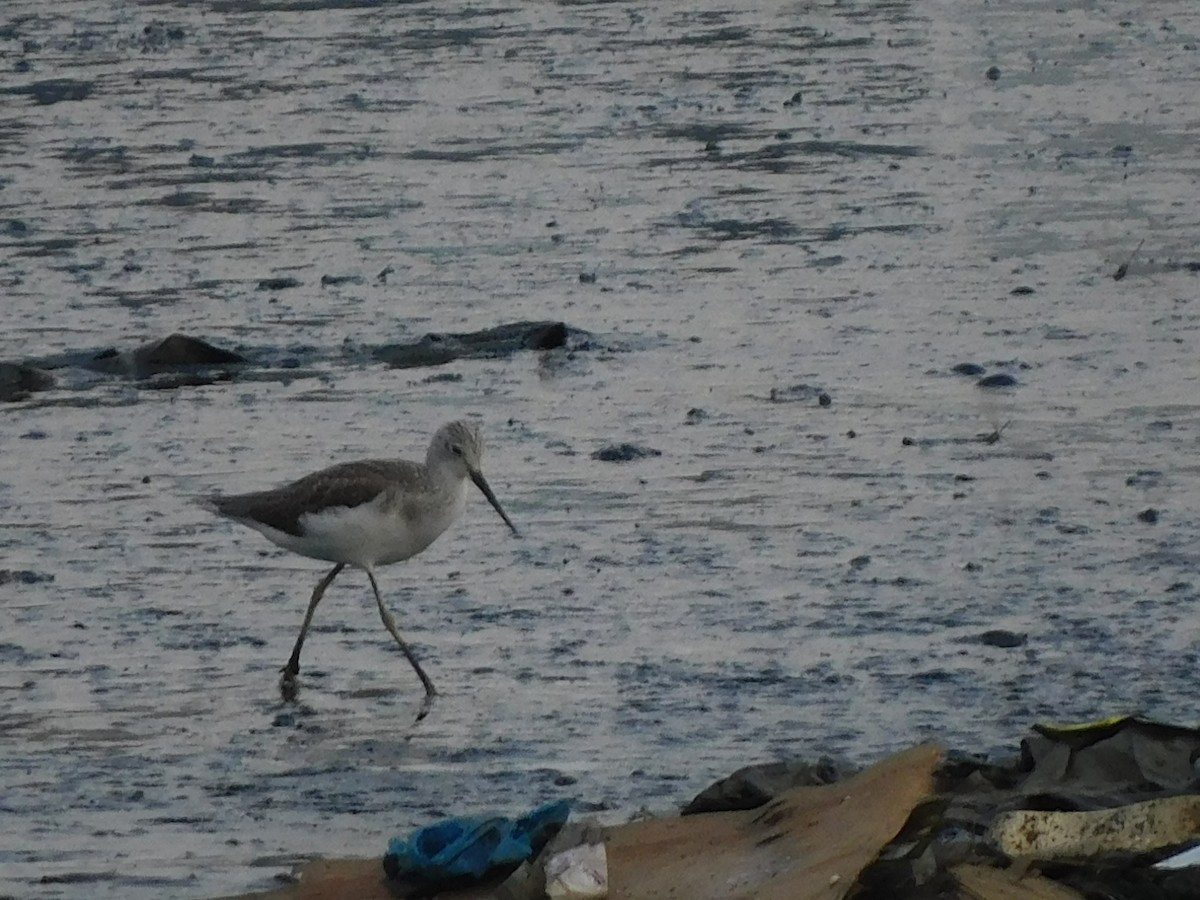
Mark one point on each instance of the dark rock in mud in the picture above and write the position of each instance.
(993, 73)
(490, 343)
(624, 453)
(966, 368)
(176, 353)
(695, 416)
(18, 381)
(1149, 516)
(999, 637)
(1023, 290)
(999, 380)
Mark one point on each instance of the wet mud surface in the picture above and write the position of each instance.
(784, 227)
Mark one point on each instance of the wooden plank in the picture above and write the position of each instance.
(811, 842)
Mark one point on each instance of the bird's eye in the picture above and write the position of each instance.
(456, 449)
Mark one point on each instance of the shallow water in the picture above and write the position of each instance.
(773, 202)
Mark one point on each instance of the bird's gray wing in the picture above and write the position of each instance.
(345, 485)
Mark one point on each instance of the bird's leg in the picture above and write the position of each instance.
(287, 684)
(389, 622)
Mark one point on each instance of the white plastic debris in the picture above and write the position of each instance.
(1184, 860)
(1136, 828)
(580, 873)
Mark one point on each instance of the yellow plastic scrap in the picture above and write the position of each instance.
(1057, 730)
(1087, 733)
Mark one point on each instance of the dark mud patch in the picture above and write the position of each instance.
(624, 452)
(491, 151)
(24, 576)
(502, 341)
(18, 381)
(53, 90)
(180, 360)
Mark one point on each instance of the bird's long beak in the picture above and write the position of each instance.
(481, 483)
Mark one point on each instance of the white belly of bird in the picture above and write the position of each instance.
(373, 534)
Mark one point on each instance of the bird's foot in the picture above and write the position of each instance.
(426, 705)
(288, 688)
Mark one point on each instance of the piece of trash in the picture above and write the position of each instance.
(790, 847)
(1123, 268)
(978, 882)
(1184, 860)
(992, 436)
(580, 873)
(1090, 731)
(1136, 828)
(1110, 763)
(471, 847)
(752, 786)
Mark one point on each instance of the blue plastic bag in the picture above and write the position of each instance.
(470, 847)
